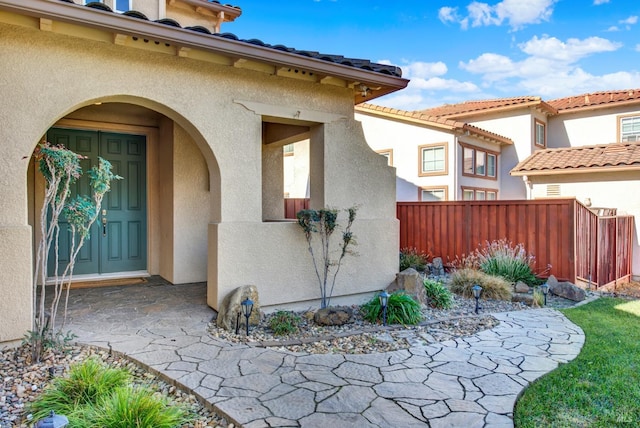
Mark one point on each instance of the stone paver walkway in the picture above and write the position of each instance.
(470, 382)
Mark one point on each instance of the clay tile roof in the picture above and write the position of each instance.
(596, 100)
(435, 121)
(363, 64)
(470, 108)
(581, 159)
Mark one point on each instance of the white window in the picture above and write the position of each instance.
(491, 165)
(479, 162)
(540, 134)
(433, 159)
(433, 194)
(476, 194)
(630, 128)
(288, 150)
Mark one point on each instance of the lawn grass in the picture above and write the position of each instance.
(601, 387)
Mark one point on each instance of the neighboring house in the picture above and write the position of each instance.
(196, 123)
(435, 159)
(584, 146)
(593, 155)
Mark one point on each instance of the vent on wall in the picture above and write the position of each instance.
(553, 190)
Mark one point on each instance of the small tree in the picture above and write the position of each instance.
(61, 168)
(323, 223)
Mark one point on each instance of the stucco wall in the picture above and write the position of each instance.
(52, 75)
(606, 190)
(587, 127)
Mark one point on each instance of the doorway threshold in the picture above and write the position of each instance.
(106, 279)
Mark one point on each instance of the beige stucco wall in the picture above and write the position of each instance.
(51, 76)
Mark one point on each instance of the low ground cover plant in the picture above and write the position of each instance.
(401, 309)
(283, 323)
(439, 296)
(493, 287)
(410, 257)
(601, 387)
(94, 395)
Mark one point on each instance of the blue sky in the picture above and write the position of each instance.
(457, 50)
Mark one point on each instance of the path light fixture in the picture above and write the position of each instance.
(477, 290)
(545, 291)
(384, 300)
(247, 307)
(53, 421)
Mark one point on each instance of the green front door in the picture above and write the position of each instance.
(118, 240)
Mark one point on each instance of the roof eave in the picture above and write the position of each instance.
(569, 171)
(613, 104)
(121, 24)
(536, 103)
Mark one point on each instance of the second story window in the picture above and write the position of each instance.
(387, 153)
(433, 159)
(540, 134)
(122, 5)
(630, 128)
(479, 162)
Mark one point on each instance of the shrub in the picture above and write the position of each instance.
(284, 322)
(401, 309)
(138, 407)
(94, 395)
(412, 258)
(86, 383)
(538, 298)
(501, 258)
(493, 287)
(439, 296)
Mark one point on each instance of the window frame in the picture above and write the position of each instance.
(619, 122)
(445, 171)
(536, 123)
(388, 153)
(477, 190)
(487, 153)
(428, 188)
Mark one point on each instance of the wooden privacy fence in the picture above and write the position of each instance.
(293, 205)
(562, 233)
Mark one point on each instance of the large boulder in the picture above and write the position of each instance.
(566, 290)
(333, 315)
(232, 306)
(410, 281)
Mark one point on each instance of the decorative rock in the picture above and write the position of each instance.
(521, 287)
(566, 290)
(232, 305)
(410, 281)
(334, 315)
(527, 299)
(437, 268)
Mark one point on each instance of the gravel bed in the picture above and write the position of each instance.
(362, 337)
(23, 381)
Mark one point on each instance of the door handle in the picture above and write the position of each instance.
(104, 223)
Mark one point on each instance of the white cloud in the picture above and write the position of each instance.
(613, 28)
(638, 47)
(516, 13)
(599, 2)
(424, 70)
(630, 20)
(570, 51)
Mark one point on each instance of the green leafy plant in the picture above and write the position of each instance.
(493, 287)
(61, 168)
(128, 407)
(438, 294)
(401, 309)
(502, 258)
(86, 383)
(410, 257)
(94, 395)
(283, 323)
(323, 223)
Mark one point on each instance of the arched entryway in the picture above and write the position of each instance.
(155, 220)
